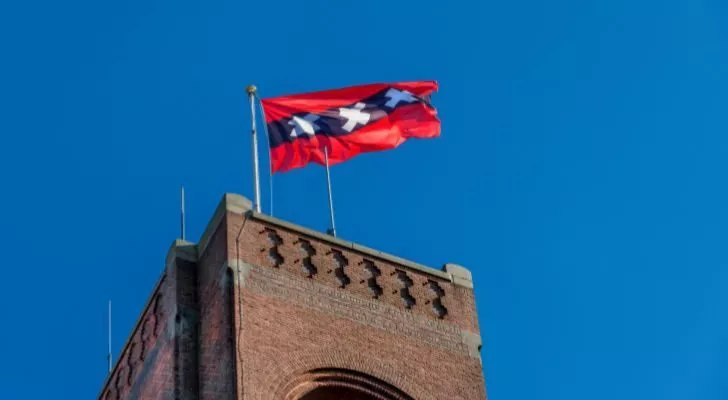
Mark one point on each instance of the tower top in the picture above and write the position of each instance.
(300, 312)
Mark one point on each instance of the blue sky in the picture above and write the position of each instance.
(581, 173)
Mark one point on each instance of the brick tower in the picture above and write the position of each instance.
(261, 309)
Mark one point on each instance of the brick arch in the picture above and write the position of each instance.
(293, 376)
(336, 384)
(325, 393)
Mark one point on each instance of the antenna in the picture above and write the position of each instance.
(182, 215)
(109, 354)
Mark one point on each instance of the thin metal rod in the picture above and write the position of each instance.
(270, 164)
(182, 214)
(109, 354)
(332, 231)
(254, 144)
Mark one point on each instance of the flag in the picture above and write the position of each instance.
(347, 122)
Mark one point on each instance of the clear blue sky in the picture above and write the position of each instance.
(581, 173)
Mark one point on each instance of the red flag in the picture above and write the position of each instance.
(347, 122)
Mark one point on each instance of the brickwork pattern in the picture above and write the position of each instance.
(305, 305)
(185, 334)
(282, 341)
(216, 364)
(337, 384)
(424, 294)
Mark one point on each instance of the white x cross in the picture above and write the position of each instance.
(354, 116)
(396, 96)
(305, 125)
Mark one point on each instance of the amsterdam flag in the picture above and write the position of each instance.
(347, 122)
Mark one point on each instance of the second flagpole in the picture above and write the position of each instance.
(332, 231)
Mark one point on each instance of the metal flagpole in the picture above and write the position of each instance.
(270, 165)
(109, 354)
(332, 231)
(254, 143)
(182, 215)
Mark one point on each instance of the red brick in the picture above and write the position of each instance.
(264, 310)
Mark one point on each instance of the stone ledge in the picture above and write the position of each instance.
(459, 275)
(231, 202)
(474, 342)
(181, 249)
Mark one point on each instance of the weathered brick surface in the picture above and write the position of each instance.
(185, 334)
(264, 245)
(283, 339)
(297, 314)
(216, 367)
(266, 311)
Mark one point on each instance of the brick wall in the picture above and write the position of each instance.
(217, 369)
(309, 304)
(265, 310)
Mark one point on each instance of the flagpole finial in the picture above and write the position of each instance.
(251, 89)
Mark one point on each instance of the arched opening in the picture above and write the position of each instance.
(336, 393)
(342, 384)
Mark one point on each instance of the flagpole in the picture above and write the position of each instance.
(108, 356)
(270, 166)
(182, 213)
(332, 231)
(254, 143)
